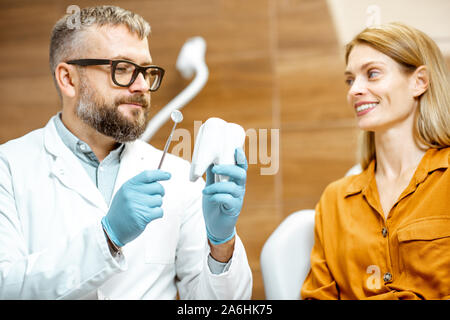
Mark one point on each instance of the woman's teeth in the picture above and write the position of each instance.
(365, 107)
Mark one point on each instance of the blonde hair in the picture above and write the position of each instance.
(412, 48)
(66, 40)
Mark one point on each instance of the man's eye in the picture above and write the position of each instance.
(122, 69)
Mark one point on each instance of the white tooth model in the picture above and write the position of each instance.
(215, 144)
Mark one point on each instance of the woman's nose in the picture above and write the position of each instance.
(358, 87)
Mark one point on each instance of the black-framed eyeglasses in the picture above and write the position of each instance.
(124, 72)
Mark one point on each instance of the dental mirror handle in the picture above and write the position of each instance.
(166, 147)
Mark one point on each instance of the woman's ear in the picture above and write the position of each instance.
(421, 81)
(66, 78)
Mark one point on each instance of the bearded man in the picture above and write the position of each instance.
(83, 212)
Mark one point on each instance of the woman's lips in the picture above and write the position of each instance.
(362, 108)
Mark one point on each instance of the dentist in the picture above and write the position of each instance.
(83, 212)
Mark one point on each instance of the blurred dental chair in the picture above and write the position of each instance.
(285, 256)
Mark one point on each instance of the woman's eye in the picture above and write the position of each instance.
(349, 81)
(373, 74)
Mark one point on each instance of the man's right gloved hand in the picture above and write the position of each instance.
(135, 205)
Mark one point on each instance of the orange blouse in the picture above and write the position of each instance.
(360, 254)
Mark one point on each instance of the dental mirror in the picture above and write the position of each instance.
(176, 117)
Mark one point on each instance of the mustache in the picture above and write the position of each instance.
(136, 99)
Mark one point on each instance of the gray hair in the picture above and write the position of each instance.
(66, 39)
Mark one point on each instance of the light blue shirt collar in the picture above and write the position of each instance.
(81, 149)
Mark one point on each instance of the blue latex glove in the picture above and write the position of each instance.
(222, 201)
(135, 205)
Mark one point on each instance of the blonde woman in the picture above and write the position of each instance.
(385, 233)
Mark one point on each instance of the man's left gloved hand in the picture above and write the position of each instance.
(222, 201)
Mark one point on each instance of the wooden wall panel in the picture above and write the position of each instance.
(274, 64)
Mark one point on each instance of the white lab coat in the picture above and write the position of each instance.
(52, 245)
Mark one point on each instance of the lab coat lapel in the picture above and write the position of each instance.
(68, 169)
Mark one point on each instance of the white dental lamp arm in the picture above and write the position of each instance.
(190, 60)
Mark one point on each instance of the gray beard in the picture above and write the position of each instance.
(107, 119)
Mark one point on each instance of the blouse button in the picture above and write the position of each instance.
(387, 277)
(384, 232)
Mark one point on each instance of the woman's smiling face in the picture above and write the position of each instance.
(380, 91)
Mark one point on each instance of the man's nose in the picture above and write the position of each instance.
(140, 84)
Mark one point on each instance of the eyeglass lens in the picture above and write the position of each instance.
(124, 73)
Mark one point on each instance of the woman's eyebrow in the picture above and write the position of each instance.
(364, 66)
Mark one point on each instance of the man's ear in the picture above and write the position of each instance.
(66, 78)
(421, 81)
